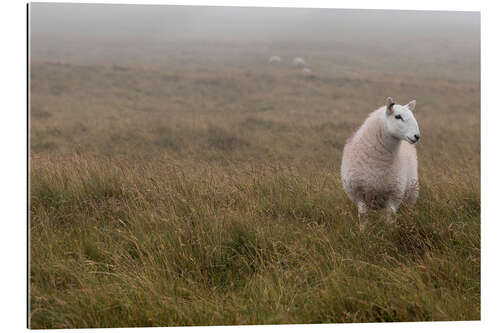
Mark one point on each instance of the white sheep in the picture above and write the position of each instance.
(299, 62)
(307, 71)
(274, 60)
(379, 163)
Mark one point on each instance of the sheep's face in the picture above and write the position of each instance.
(401, 123)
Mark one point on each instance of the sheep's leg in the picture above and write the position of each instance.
(391, 209)
(413, 193)
(362, 215)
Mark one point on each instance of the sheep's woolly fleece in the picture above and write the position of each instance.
(379, 169)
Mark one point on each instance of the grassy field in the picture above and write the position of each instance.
(205, 190)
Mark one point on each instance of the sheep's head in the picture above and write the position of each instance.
(400, 121)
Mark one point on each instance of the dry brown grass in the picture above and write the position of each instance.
(208, 192)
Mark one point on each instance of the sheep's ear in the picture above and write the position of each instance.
(412, 105)
(389, 104)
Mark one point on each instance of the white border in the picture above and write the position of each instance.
(13, 172)
(353, 4)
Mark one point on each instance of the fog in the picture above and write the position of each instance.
(415, 42)
(167, 22)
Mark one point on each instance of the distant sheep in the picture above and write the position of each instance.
(307, 71)
(274, 60)
(299, 62)
(379, 163)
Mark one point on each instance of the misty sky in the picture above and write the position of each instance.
(194, 22)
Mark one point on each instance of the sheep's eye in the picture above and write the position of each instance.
(398, 117)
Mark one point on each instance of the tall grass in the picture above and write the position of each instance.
(212, 196)
(152, 245)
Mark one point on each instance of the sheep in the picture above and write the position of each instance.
(379, 161)
(299, 62)
(306, 71)
(274, 60)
